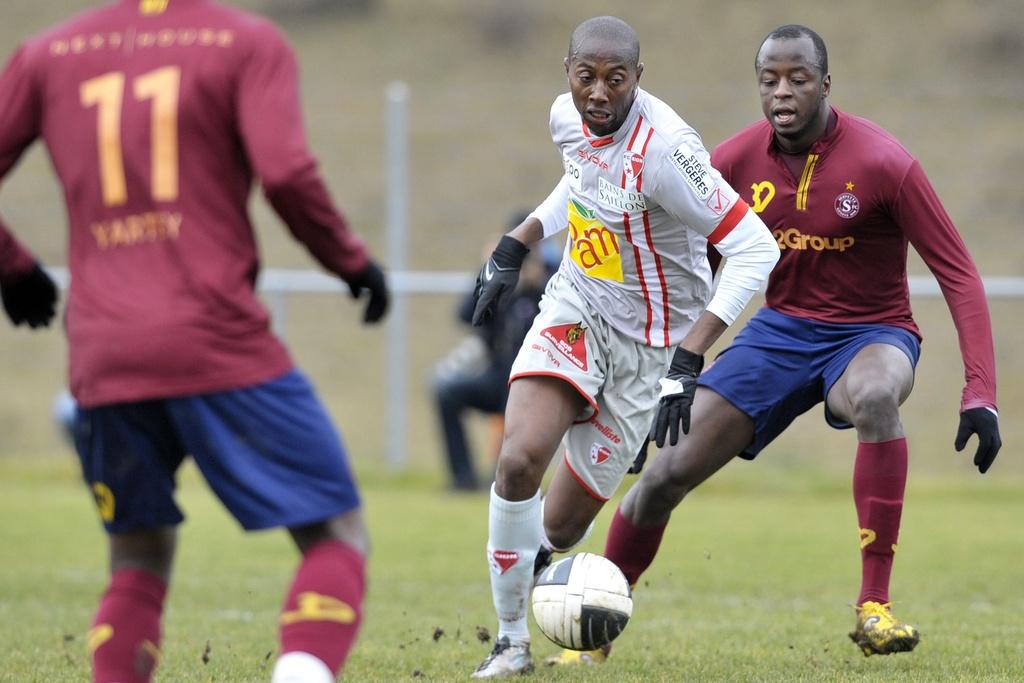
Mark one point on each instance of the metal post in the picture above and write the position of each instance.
(398, 232)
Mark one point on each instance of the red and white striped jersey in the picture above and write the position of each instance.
(641, 205)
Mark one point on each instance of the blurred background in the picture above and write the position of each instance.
(945, 77)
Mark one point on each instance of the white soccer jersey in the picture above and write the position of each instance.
(640, 206)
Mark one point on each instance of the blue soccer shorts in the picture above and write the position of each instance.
(269, 452)
(779, 367)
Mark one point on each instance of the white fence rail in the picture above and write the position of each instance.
(283, 281)
(276, 285)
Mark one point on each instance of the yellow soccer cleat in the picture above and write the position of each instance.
(570, 657)
(879, 633)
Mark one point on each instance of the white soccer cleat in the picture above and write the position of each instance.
(505, 660)
(301, 667)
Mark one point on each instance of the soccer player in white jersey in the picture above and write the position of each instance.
(631, 304)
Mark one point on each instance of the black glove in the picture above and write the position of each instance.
(677, 390)
(985, 424)
(641, 457)
(31, 299)
(371, 278)
(497, 279)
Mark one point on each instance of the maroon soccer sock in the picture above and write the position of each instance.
(125, 634)
(322, 612)
(879, 479)
(632, 548)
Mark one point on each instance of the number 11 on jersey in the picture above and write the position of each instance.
(106, 93)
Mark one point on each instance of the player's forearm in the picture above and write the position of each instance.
(751, 253)
(969, 310)
(553, 212)
(705, 331)
(528, 232)
(305, 206)
(15, 259)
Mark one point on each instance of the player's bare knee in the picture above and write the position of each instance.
(564, 536)
(654, 498)
(518, 475)
(875, 411)
(674, 479)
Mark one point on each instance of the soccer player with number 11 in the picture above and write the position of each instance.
(158, 115)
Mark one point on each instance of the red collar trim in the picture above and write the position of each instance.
(597, 143)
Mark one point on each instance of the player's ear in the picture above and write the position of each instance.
(639, 71)
(826, 86)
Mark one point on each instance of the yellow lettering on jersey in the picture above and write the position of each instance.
(97, 635)
(791, 238)
(764, 192)
(152, 6)
(595, 249)
(317, 607)
(805, 182)
(867, 537)
(104, 501)
(139, 228)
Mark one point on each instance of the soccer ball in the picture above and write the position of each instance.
(582, 602)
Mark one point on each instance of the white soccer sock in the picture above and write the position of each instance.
(515, 533)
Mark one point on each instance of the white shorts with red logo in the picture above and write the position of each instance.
(618, 377)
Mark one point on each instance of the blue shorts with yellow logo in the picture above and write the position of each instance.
(779, 367)
(268, 451)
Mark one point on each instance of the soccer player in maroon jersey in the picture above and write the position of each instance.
(158, 115)
(843, 198)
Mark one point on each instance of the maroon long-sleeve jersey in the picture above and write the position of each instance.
(158, 115)
(15, 259)
(843, 223)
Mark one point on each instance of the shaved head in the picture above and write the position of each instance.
(605, 36)
(795, 32)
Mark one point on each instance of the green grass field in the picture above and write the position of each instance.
(760, 567)
(754, 584)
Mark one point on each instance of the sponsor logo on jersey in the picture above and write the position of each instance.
(116, 40)
(764, 192)
(620, 198)
(606, 431)
(693, 170)
(570, 341)
(847, 205)
(592, 157)
(574, 172)
(311, 606)
(594, 248)
(152, 6)
(632, 165)
(791, 238)
(717, 201)
(502, 560)
(105, 502)
(599, 453)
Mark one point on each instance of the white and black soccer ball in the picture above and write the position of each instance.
(582, 602)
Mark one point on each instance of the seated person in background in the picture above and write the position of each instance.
(474, 375)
